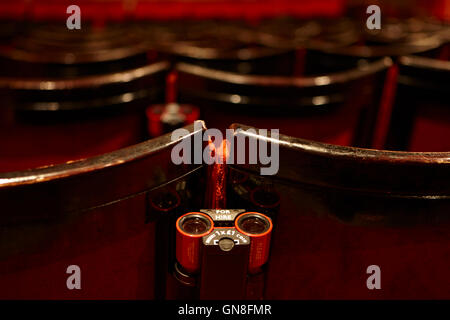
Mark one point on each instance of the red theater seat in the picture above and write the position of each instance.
(342, 209)
(68, 96)
(421, 114)
(336, 108)
(104, 214)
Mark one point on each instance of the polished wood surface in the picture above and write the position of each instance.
(342, 209)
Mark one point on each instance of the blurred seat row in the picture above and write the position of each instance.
(321, 80)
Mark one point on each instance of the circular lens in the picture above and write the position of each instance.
(254, 224)
(258, 228)
(195, 224)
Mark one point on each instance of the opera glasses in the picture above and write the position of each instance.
(221, 253)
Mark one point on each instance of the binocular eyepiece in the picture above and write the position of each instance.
(191, 228)
(258, 227)
(225, 229)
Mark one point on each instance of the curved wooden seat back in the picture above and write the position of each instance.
(49, 121)
(342, 209)
(101, 214)
(226, 45)
(70, 95)
(338, 108)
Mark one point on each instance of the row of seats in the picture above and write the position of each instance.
(320, 80)
(337, 209)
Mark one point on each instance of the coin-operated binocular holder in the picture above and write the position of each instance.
(221, 254)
